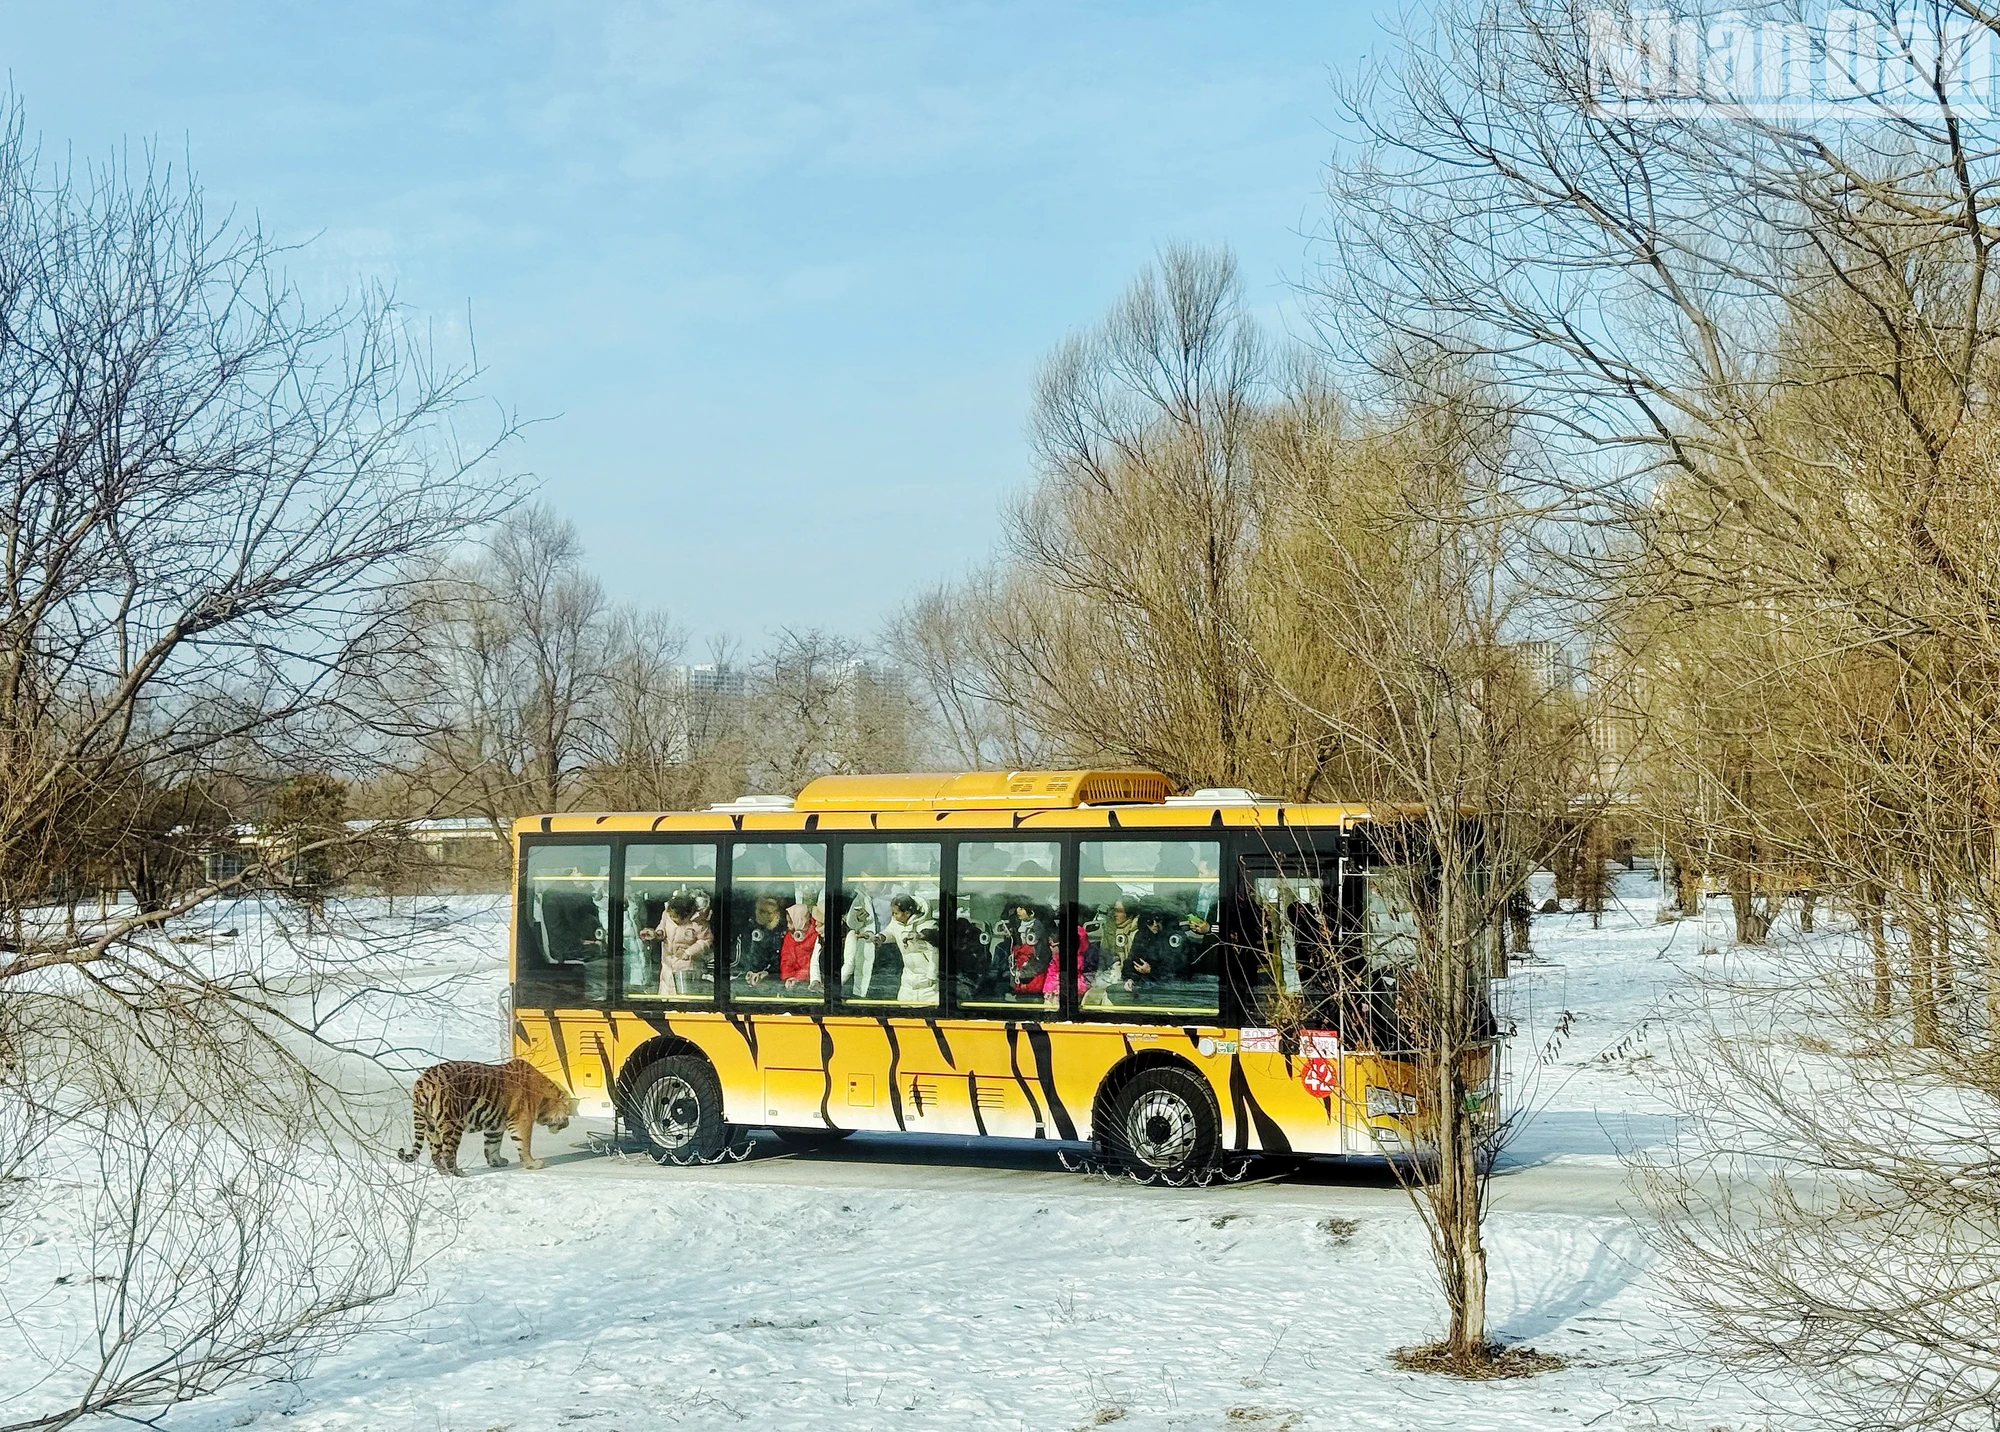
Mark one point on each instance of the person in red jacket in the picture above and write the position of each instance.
(798, 953)
(1032, 937)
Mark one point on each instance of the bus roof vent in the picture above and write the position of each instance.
(753, 803)
(1221, 796)
(1122, 788)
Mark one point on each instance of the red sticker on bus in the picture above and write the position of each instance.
(1320, 1076)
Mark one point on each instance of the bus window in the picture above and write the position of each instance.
(1291, 946)
(1302, 969)
(889, 923)
(777, 908)
(669, 933)
(1389, 931)
(1148, 912)
(1004, 938)
(563, 957)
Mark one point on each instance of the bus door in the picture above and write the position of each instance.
(1285, 962)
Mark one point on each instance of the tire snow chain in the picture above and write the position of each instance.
(1094, 1165)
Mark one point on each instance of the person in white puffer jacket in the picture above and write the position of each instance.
(915, 931)
(857, 949)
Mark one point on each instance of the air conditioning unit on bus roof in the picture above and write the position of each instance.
(1221, 795)
(753, 803)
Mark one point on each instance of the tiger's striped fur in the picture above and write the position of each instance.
(463, 1095)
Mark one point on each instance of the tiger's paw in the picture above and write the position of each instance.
(498, 1161)
(529, 1162)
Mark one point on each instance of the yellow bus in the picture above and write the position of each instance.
(1180, 981)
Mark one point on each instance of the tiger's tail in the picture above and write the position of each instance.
(420, 1130)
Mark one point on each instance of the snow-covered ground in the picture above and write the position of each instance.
(980, 1288)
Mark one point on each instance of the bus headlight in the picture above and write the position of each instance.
(1387, 1103)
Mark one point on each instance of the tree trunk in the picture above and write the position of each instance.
(1993, 983)
(1596, 874)
(1923, 996)
(1878, 942)
(1458, 1212)
(1519, 917)
(1565, 863)
(1807, 899)
(1687, 886)
(1469, 1328)
(1944, 984)
(1753, 922)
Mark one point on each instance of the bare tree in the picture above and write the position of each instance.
(1763, 346)
(658, 738)
(941, 638)
(208, 495)
(816, 705)
(1143, 431)
(515, 671)
(1136, 567)
(216, 1253)
(1412, 567)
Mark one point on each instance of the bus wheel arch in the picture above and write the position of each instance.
(648, 1051)
(1156, 1116)
(670, 1097)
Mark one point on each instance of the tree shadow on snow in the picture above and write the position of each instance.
(1556, 1295)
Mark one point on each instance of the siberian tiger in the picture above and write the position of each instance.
(463, 1096)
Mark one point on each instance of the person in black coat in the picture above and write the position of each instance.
(1154, 955)
(758, 948)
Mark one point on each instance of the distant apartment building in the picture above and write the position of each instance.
(711, 696)
(714, 678)
(1549, 664)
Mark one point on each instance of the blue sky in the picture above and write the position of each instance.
(777, 277)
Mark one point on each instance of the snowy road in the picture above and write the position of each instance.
(1593, 1183)
(984, 1289)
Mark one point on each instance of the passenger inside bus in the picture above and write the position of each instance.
(914, 932)
(1148, 909)
(686, 946)
(1112, 966)
(873, 968)
(758, 952)
(642, 950)
(857, 950)
(669, 940)
(1034, 955)
(798, 952)
(1153, 956)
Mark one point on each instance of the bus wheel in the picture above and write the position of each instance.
(675, 1105)
(1163, 1125)
(806, 1140)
